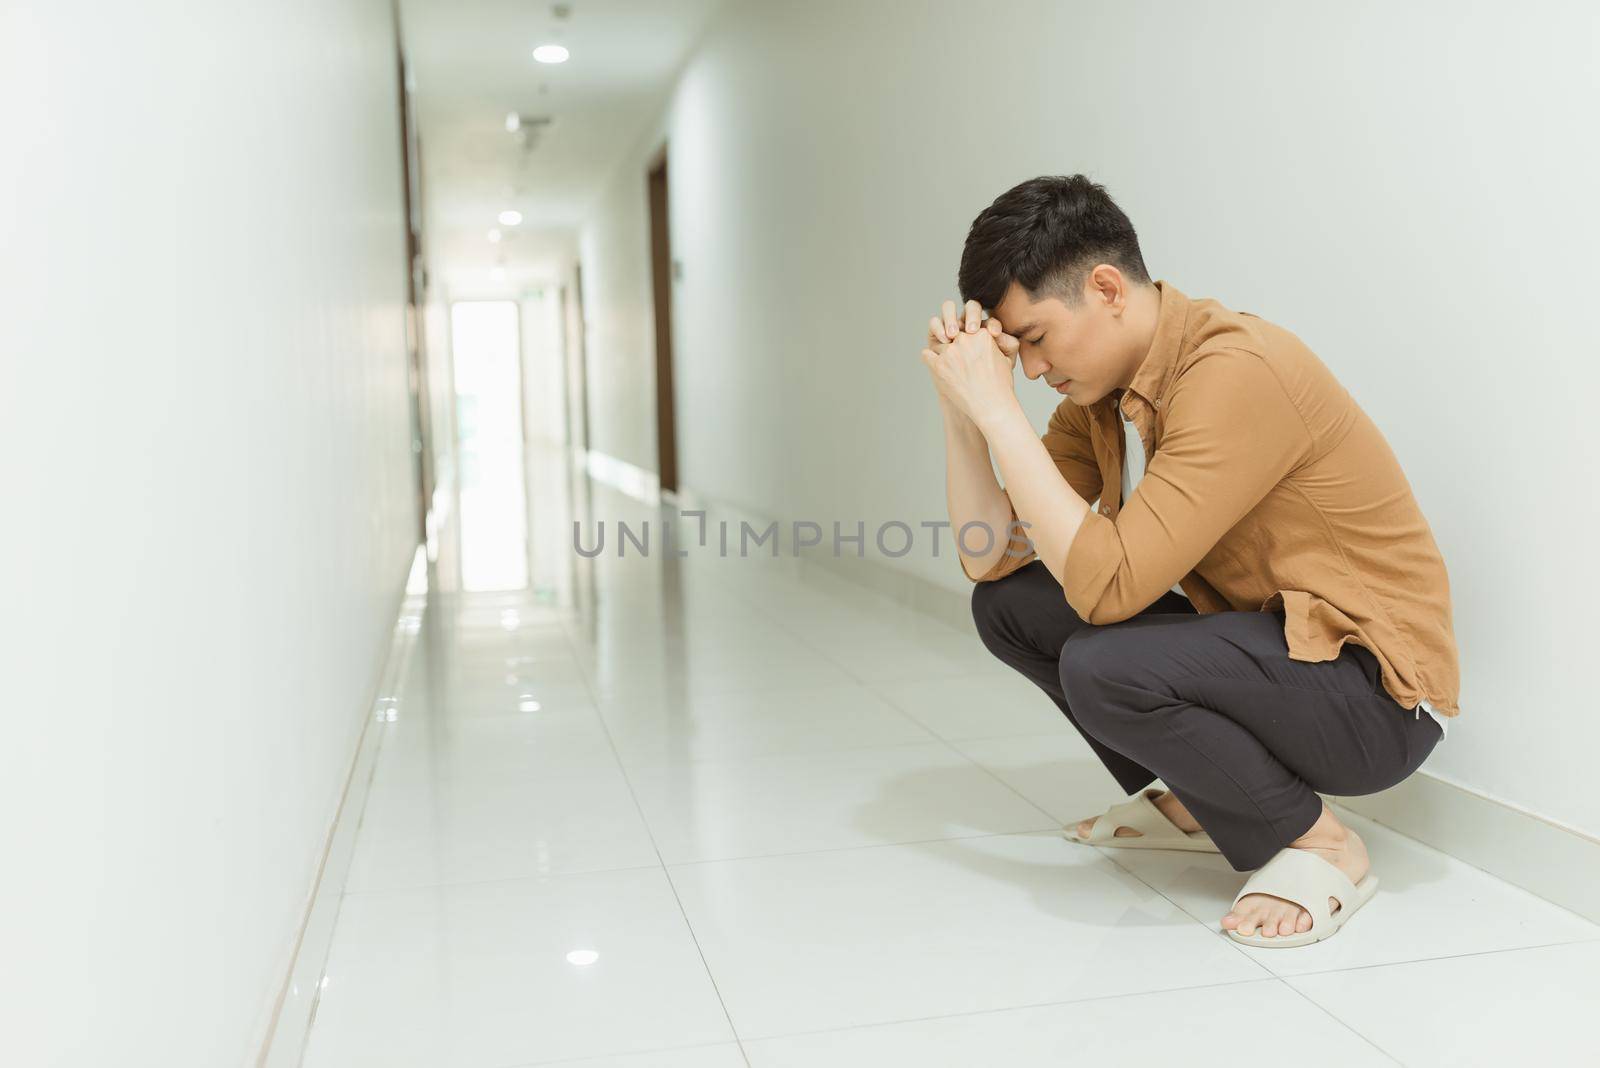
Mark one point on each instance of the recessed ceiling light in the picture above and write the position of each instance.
(551, 53)
(513, 122)
(510, 218)
(494, 237)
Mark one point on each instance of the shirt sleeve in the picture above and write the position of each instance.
(1066, 439)
(1232, 434)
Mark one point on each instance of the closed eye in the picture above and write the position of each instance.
(1036, 340)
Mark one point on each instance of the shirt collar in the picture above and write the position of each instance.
(1150, 381)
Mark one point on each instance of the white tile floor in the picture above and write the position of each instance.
(770, 820)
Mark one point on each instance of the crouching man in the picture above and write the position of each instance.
(1225, 580)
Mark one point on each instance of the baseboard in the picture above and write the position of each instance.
(1558, 863)
(286, 1032)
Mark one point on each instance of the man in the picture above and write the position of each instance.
(1266, 616)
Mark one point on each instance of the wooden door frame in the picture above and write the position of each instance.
(416, 289)
(661, 267)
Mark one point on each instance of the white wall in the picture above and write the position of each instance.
(544, 381)
(204, 451)
(1408, 187)
(614, 249)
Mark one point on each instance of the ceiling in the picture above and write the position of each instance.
(471, 64)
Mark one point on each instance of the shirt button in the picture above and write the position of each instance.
(1158, 402)
(1105, 509)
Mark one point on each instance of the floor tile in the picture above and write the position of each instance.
(476, 976)
(824, 800)
(1056, 771)
(543, 743)
(1526, 1006)
(510, 672)
(754, 723)
(838, 939)
(1197, 1028)
(774, 668)
(994, 704)
(890, 657)
(499, 699)
(726, 1055)
(457, 829)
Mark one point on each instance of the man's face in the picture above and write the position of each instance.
(1077, 350)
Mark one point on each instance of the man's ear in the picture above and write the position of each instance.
(1106, 284)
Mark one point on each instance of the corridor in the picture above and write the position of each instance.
(495, 490)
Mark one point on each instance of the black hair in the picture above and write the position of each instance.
(1046, 235)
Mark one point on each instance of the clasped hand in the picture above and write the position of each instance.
(970, 362)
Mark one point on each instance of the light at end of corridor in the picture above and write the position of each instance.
(513, 122)
(494, 236)
(551, 53)
(510, 217)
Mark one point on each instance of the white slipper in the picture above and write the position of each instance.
(1308, 881)
(1140, 814)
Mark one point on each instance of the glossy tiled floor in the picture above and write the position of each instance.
(712, 812)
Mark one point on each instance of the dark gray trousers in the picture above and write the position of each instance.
(1212, 705)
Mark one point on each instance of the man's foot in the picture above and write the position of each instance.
(1273, 916)
(1170, 807)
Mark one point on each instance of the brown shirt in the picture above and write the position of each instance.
(1267, 486)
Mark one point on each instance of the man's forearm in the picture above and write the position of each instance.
(1043, 499)
(972, 493)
